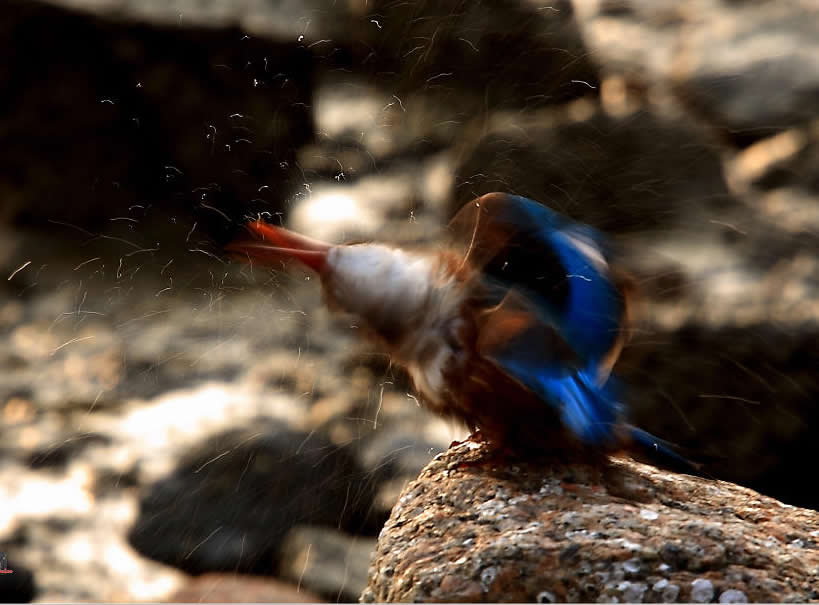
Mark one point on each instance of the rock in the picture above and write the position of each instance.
(326, 561)
(391, 208)
(749, 69)
(636, 173)
(733, 596)
(470, 529)
(702, 591)
(235, 588)
(740, 408)
(506, 54)
(229, 502)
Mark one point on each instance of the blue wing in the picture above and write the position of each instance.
(555, 271)
(535, 354)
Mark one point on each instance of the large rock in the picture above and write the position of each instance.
(747, 68)
(470, 529)
(632, 173)
(493, 54)
(738, 398)
(228, 505)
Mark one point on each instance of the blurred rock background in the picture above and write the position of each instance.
(167, 413)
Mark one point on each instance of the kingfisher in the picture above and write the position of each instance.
(511, 327)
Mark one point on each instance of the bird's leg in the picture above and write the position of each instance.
(495, 449)
(476, 436)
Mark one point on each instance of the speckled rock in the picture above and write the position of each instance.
(470, 529)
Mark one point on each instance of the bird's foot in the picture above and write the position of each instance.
(477, 437)
(493, 452)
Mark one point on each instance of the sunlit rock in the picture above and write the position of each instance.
(474, 528)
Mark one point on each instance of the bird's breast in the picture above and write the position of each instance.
(433, 355)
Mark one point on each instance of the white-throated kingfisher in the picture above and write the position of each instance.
(512, 328)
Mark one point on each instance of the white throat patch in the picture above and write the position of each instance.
(371, 280)
(411, 299)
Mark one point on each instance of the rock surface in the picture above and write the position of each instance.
(470, 529)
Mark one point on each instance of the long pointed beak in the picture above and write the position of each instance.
(275, 243)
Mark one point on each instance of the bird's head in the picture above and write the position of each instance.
(392, 291)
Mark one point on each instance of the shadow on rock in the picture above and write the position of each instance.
(742, 397)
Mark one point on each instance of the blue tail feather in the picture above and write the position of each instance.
(589, 410)
(659, 452)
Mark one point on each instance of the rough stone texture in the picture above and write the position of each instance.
(235, 588)
(470, 529)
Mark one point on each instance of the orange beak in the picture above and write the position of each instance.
(275, 243)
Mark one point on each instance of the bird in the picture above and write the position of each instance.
(512, 326)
